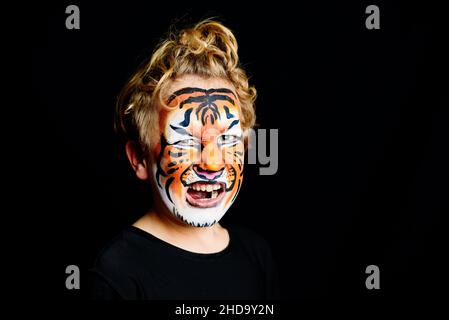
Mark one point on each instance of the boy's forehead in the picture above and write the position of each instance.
(193, 116)
(195, 81)
(204, 101)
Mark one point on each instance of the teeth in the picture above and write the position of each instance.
(214, 194)
(204, 187)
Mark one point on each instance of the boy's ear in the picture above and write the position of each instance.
(139, 165)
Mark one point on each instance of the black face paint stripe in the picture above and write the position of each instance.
(237, 192)
(206, 106)
(181, 130)
(171, 164)
(233, 123)
(186, 121)
(215, 108)
(172, 170)
(193, 90)
(220, 97)
(239, 156)
(206, 103)
(213, 116)
(192, 100)
(206, 99)
(167, 186)
(183, 174)
(229, 115)
(202, 108)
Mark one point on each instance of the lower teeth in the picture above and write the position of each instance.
(214, 194)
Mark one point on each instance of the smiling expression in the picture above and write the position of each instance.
(199, 165)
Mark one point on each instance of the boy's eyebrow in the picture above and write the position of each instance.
(181, 130)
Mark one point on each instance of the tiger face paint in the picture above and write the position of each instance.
(200, 157)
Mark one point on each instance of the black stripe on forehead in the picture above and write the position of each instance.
(206, 101)
(194, 90)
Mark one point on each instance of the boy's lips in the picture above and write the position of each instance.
(205, 194)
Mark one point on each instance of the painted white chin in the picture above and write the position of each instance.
(200, 217)
(199, 214)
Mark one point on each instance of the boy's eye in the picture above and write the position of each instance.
(187, 143)
(228, 139)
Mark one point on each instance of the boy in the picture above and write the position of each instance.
(184, 116)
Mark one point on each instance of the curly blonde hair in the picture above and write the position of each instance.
(209, 49)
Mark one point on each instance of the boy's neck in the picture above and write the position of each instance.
(166, 227)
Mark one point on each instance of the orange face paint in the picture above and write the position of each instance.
(200, 162)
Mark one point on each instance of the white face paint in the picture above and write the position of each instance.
(199, 165)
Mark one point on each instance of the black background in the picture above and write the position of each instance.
(362, 118)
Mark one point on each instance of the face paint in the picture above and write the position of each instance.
(199, 165)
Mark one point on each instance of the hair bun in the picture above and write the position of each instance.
(211, 38)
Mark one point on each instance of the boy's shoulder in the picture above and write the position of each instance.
(246, 234)
(250, 240)
(122, 249)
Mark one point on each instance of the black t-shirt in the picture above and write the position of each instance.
(137, 265)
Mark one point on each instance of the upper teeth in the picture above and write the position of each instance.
(203, 187)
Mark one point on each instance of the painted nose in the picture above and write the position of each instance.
(207, 174)
(211, 158)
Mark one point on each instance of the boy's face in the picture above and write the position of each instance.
(199, 161)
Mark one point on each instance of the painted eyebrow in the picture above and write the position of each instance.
(181, 130)
(194, 90)
(229, 115)
(233, 123)
(186, 121)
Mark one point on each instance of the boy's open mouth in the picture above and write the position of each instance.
(205, 194)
